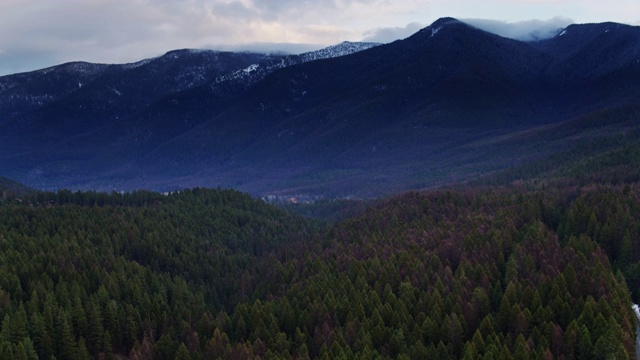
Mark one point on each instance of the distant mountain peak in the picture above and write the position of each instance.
(604, 27)
(440, 24)
(438, 29)
(77, 67)
(445, 21)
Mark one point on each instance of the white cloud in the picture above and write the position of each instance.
(386, 35)
(129, 30)
(42, 33)
(522, 30)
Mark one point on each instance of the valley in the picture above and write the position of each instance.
(451, 195)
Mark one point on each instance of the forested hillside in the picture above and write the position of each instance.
(88, 273)
(503, 273)
(603, 147)
(9, 188)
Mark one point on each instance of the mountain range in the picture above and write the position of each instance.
(451, 103)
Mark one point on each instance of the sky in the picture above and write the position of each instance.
(39, 33)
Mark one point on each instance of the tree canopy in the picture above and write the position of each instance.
(207, 274)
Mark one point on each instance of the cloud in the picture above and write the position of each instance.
(389, 34)
(528, 30)
(36, 33)
(273, 48)
(522, 30)
(118, 31)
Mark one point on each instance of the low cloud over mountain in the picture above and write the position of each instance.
(529, 30)
(386, 35)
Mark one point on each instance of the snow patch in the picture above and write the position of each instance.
(342, 49)
(256, 72)
(200, 51)
(251, 68)
(435, 31)
(136, 64)
(562, 33)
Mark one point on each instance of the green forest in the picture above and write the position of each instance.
(474, 273)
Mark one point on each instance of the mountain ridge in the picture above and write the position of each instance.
(275, 125)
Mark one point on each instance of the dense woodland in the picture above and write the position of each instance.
(494, 273)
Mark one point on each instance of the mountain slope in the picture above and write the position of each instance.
(378, 120)
(305, 114)
(10, 188)
(118, 91)
(307, 121)
(40, 138)
(22, 92)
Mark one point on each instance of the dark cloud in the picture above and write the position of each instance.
(386, 35)
(529, 30)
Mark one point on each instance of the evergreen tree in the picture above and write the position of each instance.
(182, 353)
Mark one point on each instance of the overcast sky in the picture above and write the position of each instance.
(40, 33)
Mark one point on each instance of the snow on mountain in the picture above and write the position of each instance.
(256, 72)
(180, 70)
(78, 68)
(342, 49)
(136, 64)
(23, 91)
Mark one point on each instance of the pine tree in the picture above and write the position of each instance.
(29, 348)
(470, 352)
(217, 346)
(183, 353)
(107, 346)
(68, 345)
(520, 351)
(19, 325)
(83, 352)
(6, 350)
(94, 328)
(20, 352)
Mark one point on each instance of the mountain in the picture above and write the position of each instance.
(445, 105)
(46, 109)
(127, 88)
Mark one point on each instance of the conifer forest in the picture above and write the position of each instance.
(459, 273)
